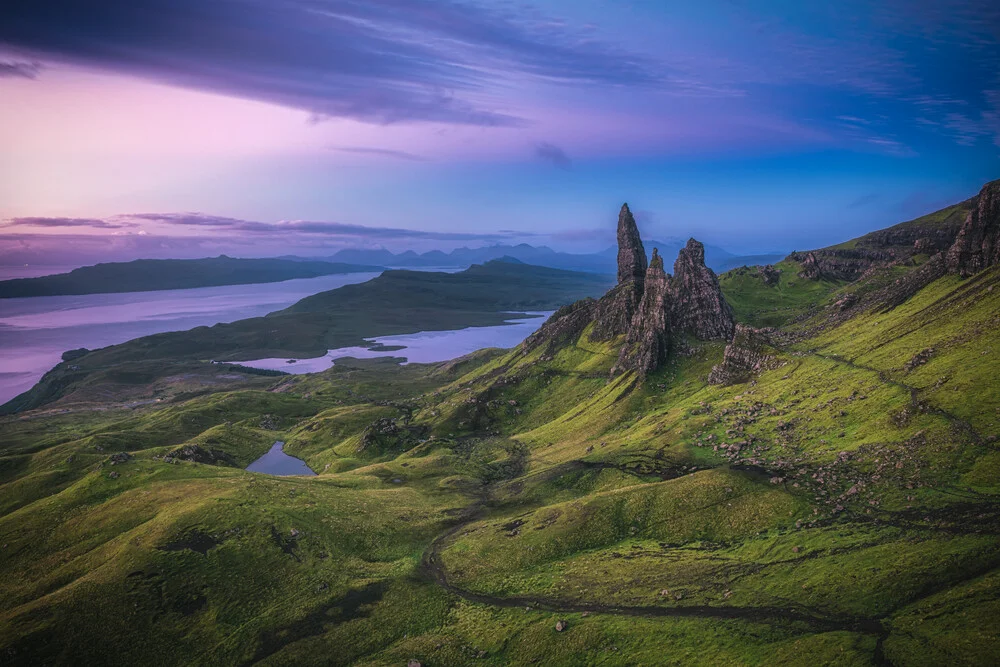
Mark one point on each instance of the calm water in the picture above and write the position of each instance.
(35, 331)
(277, 462)
(422, 347)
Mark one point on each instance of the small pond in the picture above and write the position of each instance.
(277, 462)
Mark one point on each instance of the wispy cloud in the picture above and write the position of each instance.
(383, 152)
(553, 154)
(56, 223)
(20, 70)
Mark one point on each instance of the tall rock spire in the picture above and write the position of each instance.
(697, 304)
(631, 254)
(647, 343)
(615, 310)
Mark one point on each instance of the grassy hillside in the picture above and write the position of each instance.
(841, 508)
(146, 275)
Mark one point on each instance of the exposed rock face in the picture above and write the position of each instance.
(978, 243)
(747, 355)
(839, 263)
(697, 305)
(565, 325)
(647, 343)
(616, 308)
(614, 311)
(631, 254)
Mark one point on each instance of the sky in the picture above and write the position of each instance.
(263, 127)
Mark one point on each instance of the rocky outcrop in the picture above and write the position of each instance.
(631, 254)
(616, 309)
(697, 305)
(647, 310)
(839, 263)
(748, 354)
(978, 243)
(647, 343)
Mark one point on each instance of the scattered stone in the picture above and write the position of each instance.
(561, 625)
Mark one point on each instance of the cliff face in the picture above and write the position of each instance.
(697, 305)
(647, 342)
(978, 244)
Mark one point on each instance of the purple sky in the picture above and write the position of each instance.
(261, 127)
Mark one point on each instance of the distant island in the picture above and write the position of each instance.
(148, 275)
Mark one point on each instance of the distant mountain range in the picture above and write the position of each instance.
(146, 275)
(600, 262)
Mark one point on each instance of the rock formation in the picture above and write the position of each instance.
(749, 353)
(647, 310)
(978, 243)
(631, 254)
(647, 342)
(697, 304)
(616, 308)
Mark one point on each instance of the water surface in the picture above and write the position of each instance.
(422, 347)
(35, 331)
(277, 462)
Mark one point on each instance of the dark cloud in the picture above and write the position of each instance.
(372, 60)
(20, 70)
(554, 154)
(384, 152)
(65, 222)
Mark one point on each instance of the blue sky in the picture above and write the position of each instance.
(317, 124)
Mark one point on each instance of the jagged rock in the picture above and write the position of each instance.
(647, 343)
(749, 353)
(631, 254)
(978, 243)
(697, 304)
(616, 308)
